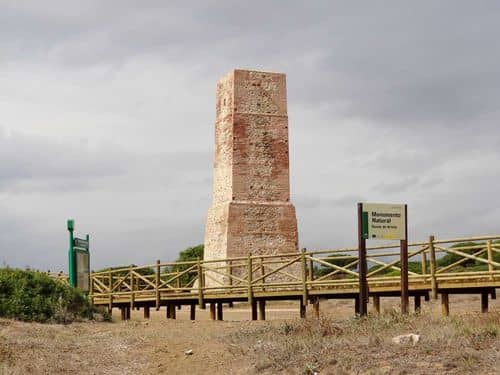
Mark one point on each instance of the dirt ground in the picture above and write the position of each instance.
(466, 342)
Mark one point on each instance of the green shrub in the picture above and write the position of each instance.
(321, 270)
(412, 267)
(34, 296)
(449, 258)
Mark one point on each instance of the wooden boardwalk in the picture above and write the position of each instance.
(307, 277)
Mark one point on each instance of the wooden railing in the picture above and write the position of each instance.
(61, 276)
(306, 271)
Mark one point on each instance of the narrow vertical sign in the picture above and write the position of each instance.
(79, 259)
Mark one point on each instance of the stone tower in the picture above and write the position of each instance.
(251, 210)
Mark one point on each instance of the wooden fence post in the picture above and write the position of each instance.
(132, 296)
(91, 289)
(157, 285)
(212, 310)
(262, 273)
(250, 276)
(262, 309)
(178, 280)
(230, 271)
(192, 312)
(490, 259)
(219, 311)
(424, 262)
(445, 304)
(110, 282)
(418, 303)
(433, 268)
(311, 270)
(251, 301)
(201, 284)
(484, 302)
(305, 296)
(376, 303)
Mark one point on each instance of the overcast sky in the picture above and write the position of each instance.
(107, 115)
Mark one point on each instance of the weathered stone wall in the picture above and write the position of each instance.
(251, 210)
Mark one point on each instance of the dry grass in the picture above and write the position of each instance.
(458, 345)
(465, 343)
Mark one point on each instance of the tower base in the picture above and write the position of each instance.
(238, 228)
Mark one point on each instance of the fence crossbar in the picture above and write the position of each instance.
(276, 270)
(485, 261)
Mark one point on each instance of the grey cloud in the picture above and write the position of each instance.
(29, 164)
(315, 202)
(402, 185)
(28, 158)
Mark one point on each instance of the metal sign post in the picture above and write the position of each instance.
(79, 259)
(405, 297)
(362, 265)
(71, 254)
(382, 222)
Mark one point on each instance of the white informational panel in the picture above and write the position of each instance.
(83, 271)
(384, 221)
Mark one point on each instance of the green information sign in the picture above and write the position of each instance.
(79, 260)
(383, 221)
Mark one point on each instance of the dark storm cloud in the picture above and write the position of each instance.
(394, 63)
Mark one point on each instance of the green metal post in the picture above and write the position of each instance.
(71, 255)
(87, 237)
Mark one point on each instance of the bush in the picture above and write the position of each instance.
(34, 296)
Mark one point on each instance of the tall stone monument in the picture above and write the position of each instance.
(251, 210)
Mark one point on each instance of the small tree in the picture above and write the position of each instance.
(188, 255)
